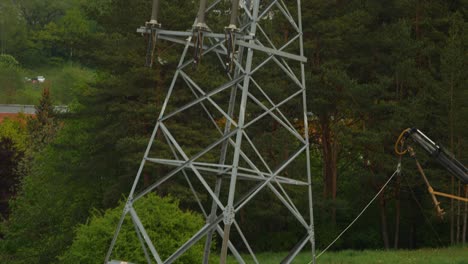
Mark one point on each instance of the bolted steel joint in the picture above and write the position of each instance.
(229, 215)
(128, 206)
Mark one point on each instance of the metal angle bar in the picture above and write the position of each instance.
(247, 13)
(189, 82)
(213, 121)
(217, 36)
(273, 103)
(221, 59)
(292, 255)
(212, 5)
(267, 9)
(205, 51)
(218, 182)
(244, 156)
(288, 198)
(292, 40)
(283, 190)
(182, 41)
(246, 243)
(220, 43)
(203, 231)
(174, 79)
(249, 140)
(180, 162)
(231, 247)
(258, 86)
(116, 234)
(132, 191)
(235, 161)
(153, 135)
(202, 98)
(230, 140)
(285, 8)
(245, 176)
(197, 173)
(284, 68)
(194, 239)
(174, 152)
(222, 160)
(214, 206)
(209, 219)
(271, 174)
(285, 202)
(173, 172)
(298, 216)
(271, 51)
(275, 107)
(293, 132)
(288, 17)
(276, 178)
(284, 179)
(208, 50)
(142, 242)
(282, 167)
(200, 204)
(145, 235)
(306, 135)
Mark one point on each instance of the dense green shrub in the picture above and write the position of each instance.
(10, 78)
(165, 223)
(8, 61)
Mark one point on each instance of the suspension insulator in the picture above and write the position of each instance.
(201, 23)
(234, 14)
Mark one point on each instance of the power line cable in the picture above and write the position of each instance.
(397, 171)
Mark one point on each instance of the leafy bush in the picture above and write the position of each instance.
(165, 223)
(8, 61)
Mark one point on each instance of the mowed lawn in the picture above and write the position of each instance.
(457, 255)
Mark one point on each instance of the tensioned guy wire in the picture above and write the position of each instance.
(360, 214)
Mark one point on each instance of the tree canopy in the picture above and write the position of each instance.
(374, 68)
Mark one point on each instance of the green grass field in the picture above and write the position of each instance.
(62, 82)
(457, 255)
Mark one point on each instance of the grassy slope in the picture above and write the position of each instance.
(456, 255)
(60, 80)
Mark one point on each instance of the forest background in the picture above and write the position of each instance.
(374, 68)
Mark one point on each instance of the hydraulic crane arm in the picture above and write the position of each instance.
(443, 156)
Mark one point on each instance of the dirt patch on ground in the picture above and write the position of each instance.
(12, 116)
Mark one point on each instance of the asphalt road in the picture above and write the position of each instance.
(27, 109)
(13, 109)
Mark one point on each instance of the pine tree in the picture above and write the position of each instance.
(43, 126)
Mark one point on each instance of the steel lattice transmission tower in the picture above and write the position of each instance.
(250, 62)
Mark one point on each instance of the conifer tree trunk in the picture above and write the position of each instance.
(465, 217)
(459, 213)
(383, 220)
(452, 211)
(397, 212)
(330, 154)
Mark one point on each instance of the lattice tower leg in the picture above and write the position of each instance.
(249, 49)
